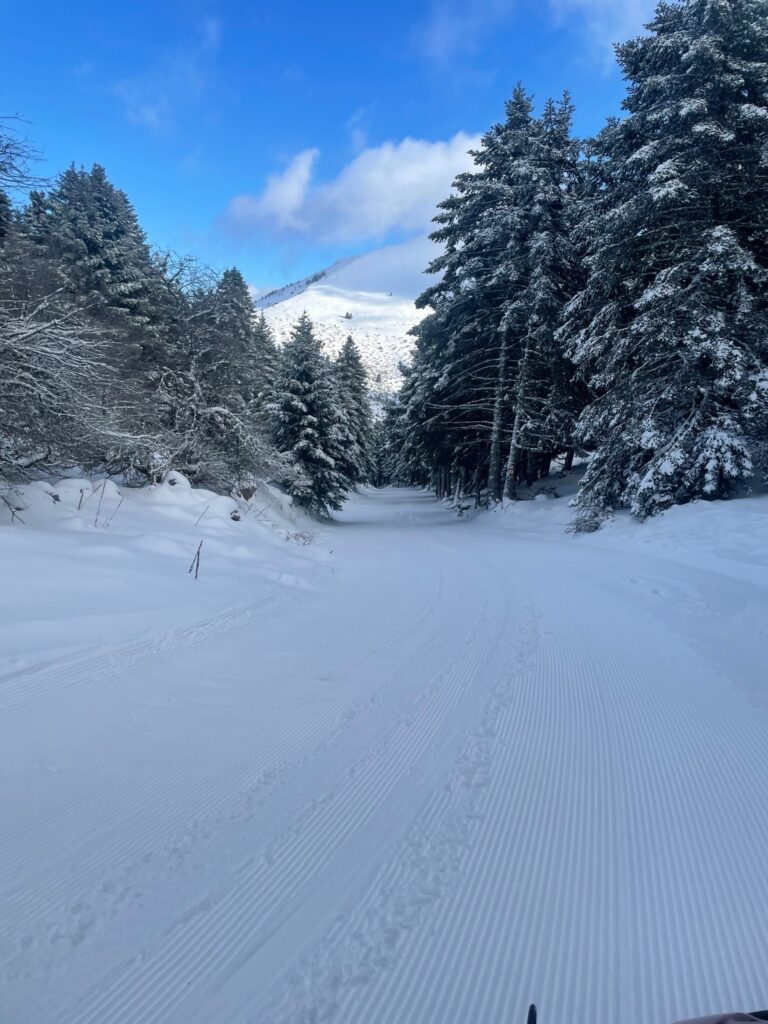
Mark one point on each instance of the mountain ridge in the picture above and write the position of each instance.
(370, 297)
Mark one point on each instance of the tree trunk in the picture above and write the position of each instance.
(568, 464)
(457, 490)
(514, 458)
(494, 469)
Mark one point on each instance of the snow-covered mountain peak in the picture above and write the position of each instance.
(371, 297)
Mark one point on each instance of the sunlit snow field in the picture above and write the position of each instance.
(405, 766)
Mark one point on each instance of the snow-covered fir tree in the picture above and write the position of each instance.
(117, 358)
(470, 340)
(490, 393)
(543, 395)
(265, 358)
(306, 418)
(672, 328)
(92, 234)
(352, 388)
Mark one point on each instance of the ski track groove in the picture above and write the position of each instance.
(258, 898)
(466, 937)
(24, 691)
(553, 812)
(32, 900)
(344, 701)
(442, 824)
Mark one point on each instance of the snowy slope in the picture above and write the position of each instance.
(460, 765)
(378, 289)
(95, 563)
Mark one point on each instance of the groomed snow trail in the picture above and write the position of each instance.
(452, 772)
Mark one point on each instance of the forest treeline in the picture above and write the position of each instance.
(607, 298)
(121, 360)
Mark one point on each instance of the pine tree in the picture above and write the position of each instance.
(467, 345)
(544, 398)
(92, 234)
(352, 385)
(672, 327)
(225, 340)
(265, 355)
(490, 367)
(305, 420)
(117, 357)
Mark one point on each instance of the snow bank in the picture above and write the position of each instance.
(87, 562)
(727, 536)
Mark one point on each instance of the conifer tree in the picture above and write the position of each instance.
(225, 340)
(672, 328)
(543, 400)
(475, 333)
(352, 386)
(490, 367)
(265, 355)
(91, 232)
(305, 420)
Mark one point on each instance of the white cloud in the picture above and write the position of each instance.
(282, 203)
(457, 26)
(390, 188)
(606, 21)
(356, 127)
(460, 26)
(152, 97)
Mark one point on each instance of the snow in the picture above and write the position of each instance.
(425, 768)
(98, 561)
(379, 290)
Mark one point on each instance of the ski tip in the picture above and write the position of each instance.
(532, 1014)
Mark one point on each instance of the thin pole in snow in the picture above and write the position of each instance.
(196, 560)
(122, 499)
(98, 507)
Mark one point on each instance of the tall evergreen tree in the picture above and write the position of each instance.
(225, 340)
(544, 399)
(305, 420)
(469, 341)
(672, 327)
(91, 232)
(265, 355)
(352, 386)
(490, 367)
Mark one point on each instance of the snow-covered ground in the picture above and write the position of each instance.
(378, 289)
(424, 769)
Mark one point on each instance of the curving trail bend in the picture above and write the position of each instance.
(463, 772)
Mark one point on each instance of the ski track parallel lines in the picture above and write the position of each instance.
(237, 913)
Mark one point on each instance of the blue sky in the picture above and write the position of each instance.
(280, 136)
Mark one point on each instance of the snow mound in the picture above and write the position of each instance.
(370, 297)
(97, 562)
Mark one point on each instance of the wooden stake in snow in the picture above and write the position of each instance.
(196, 560)
(98, 507)
(114, 513)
